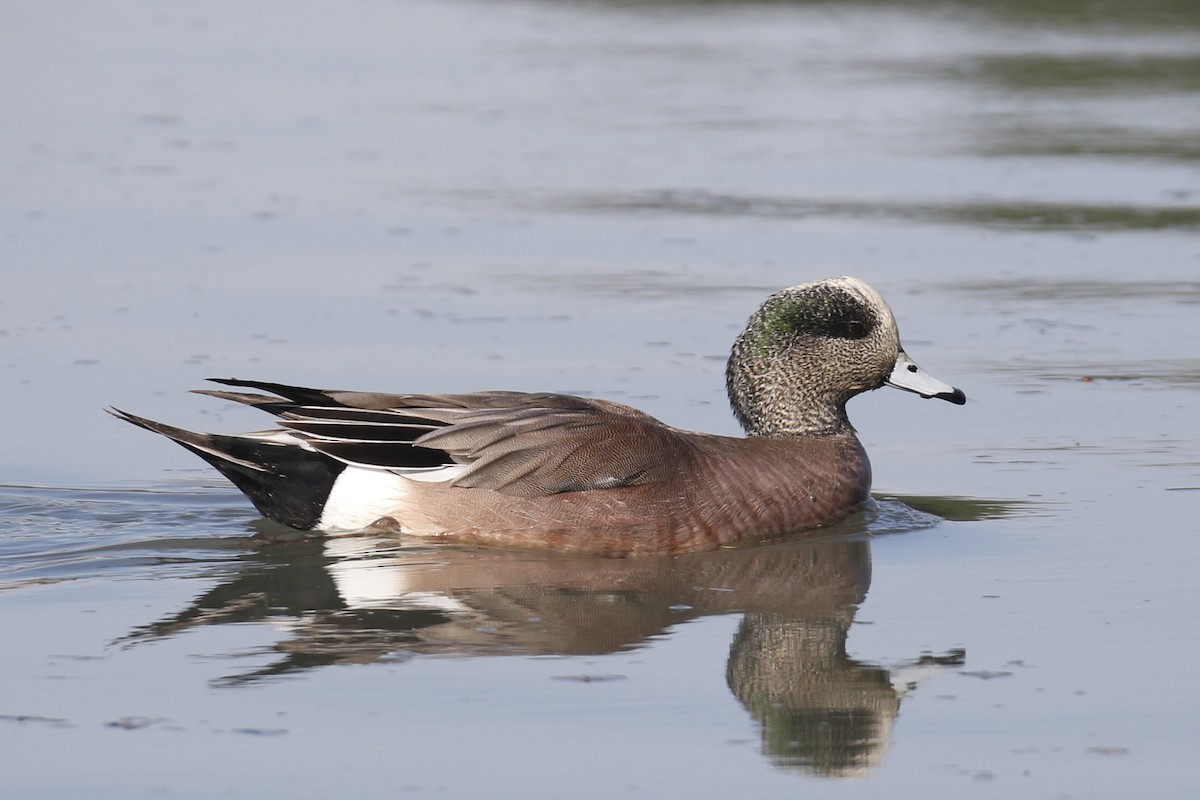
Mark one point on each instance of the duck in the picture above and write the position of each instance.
(585, 475)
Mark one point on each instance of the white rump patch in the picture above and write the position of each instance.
(361, 495)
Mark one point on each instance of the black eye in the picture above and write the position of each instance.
(855, 329)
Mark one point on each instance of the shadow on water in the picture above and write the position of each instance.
(1082, 81)
(387, 599)
(1000, 214)
(1105, 14)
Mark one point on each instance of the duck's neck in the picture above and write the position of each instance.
(774, 400)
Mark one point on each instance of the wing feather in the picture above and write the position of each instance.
(511, 442)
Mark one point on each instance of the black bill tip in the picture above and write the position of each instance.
(957, 397)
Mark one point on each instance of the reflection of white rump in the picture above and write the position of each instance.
(366, 579)
(907, 677)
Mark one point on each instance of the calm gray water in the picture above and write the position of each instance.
(435, 195)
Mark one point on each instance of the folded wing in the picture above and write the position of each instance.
(515, 443)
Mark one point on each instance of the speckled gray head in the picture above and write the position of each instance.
(809, 349)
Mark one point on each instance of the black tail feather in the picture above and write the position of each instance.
(301, 395)
(286, 483)
(272, 405)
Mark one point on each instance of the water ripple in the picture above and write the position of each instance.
(49, 534)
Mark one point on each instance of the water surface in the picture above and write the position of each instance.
(592, 198)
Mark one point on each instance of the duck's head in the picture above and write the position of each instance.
(809, 349)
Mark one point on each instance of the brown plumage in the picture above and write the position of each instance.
(549, 470)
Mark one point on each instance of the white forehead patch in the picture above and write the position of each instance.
(868, 295)
(862, 291)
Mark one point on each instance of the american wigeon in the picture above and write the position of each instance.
(551, 470)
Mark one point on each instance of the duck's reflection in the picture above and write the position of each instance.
(376, 598)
